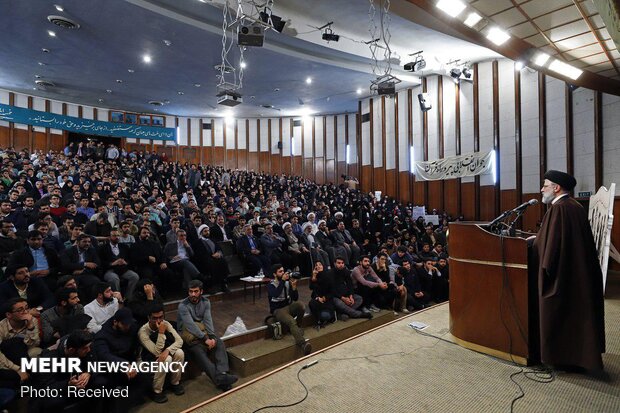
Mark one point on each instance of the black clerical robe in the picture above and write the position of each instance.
(570, 289)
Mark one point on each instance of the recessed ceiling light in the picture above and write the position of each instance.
(119, 80)
(51, 33)
(541, 59)
(180, 93)
(197, 84)
(130, 70)
(167, 42)
(146, 58)
(202, 1)
(518, 65)
(100, 100)
(276, 89)
(42, 64)
(166, 101)
(44, 50)
(451, 7)
(565, 69)
(472, 19)
(37, 76)
(359, 91)
(108, 90)
(497, 36)
(59, 7)
(308, 80)
(243, 65)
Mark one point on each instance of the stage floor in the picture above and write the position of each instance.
(395, 369)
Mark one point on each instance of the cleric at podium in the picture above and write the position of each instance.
(570, 282)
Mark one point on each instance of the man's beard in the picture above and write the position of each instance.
(108, 299)
(546, 199)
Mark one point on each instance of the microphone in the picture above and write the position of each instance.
(524, 205)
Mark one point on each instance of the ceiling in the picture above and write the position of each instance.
(86, 64)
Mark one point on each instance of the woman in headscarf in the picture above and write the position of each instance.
(321, 303)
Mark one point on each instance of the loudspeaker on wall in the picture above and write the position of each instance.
(425, 104)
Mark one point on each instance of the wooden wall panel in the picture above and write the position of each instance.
(276, 163)
(435, 195)
(242, 159)
(253, 161)
(532, 217)
(330, 171)
(4, 136)
(297, 166)
(450, 193)
(218, 156)
(508, 199)
(487, 202)
(308, 168)
(231, 158)
(468, 200)
(366, 181)
(419, 193)
(286, 165)
(263, 158)
(353, 171)
(379, 180)
(20, 138)
(342, 170)
(319, 171)
(391, 188)
(404, 189)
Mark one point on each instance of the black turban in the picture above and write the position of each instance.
(563, 179)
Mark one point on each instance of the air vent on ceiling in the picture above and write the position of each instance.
(227, 69)
(64, 22)
(156, 103)
(44, 83)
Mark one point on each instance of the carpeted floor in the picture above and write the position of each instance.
(395, 369)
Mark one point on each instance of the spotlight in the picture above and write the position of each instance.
(455, 73)
(418, 64)
(276, 22)
(466, 73)
(329, 35)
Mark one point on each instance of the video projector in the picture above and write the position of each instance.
(229, 98)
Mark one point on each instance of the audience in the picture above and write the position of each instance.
(74, 219)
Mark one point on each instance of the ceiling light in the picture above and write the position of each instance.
(59, 7)
(565, 69)
(455, 73)
(108, 90)
(42, 64)
(541, 59)
(197, 84)
(472, 19)
(119, 81)
(243, 65)
(308, 80)
(359, 91)
(37, 76)
(100, 100)
(130, 70)
(418, 64)
(44, 50)
(229, 118)
(451, 7)
(167, 42)
(497, 36)
(466, 72)
(180, 93)
(146, 58)
(268, 17)
(518, 65)
(51, 33)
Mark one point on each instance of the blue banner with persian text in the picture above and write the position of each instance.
(94, 127)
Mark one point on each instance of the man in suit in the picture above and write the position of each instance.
(19, 283)
(148, 257)
(218, 232)
(83, 262)
(248, 247)
(178, 254)
(210, 259)
(342, 237)
(42, 261)
(115, 264)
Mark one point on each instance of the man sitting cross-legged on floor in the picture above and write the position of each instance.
(195, 325)
(162, 344)
(283, 304)
(345, 301)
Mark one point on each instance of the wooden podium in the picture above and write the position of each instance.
(493, 293)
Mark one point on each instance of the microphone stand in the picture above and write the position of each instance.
(494, 225)
(511, 230)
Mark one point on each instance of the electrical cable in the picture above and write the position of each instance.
(278, 406)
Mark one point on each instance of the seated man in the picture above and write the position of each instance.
(76, 345)
(82, 261)
(368, 284)
(162, 344)
(417, 299)
(283, 304)
(195, 325)
(178, 254)
(117, 341)
(19, 336)
(99, 228)
(149, 259)
(441, 284)
(248, 247)
(145, 296)
(103, 306)
(9, 241)
(115, 259)
(210, 260)
(42, 261)
(426, 275)
(20, 284)
(342, 237)
(67, 305)
(345, 300)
